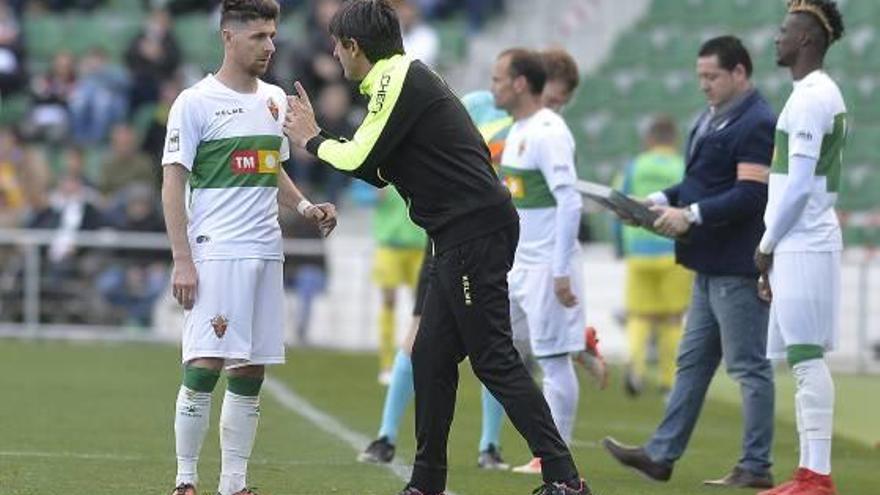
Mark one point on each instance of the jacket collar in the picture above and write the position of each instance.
(730, 116)
(377, 70)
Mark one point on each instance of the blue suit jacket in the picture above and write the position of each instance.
(732, 211)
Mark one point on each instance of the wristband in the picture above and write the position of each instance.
(303, 205)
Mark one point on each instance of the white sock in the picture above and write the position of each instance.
(815, 394)
(561, 392)
(191, 416)
(802, 437)
(238, 429)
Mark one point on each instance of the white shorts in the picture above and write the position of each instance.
(806, 301)
(238, 313)
(537, 316)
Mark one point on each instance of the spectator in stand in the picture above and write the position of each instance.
(313, 62)
(125, 165)
(334, 107)
(137, 277)
(152, 57)
(49, 116)
(419, 39)
(72, 208)
(12, 68)
(99, 98)
(12, 194)
(154, 139)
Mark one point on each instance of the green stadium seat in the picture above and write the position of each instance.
(13, 109)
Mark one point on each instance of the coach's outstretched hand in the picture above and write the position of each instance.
(324, 215)
(299, 123)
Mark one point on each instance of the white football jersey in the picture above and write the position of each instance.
(538, 157)
(233, 144)
(813, 125)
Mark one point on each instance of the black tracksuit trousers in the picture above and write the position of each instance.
(467, 313)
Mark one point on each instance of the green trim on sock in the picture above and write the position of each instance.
(803, 352)
(200, 379)
(244, 385)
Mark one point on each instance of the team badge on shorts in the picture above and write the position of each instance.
(219, 323)
(273, 108)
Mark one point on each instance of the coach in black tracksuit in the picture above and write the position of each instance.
(418, 137)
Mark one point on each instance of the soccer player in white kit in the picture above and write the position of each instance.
(222, 185)
(799, 254)
(537, 166)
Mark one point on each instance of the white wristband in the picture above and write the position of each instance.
(303, 205)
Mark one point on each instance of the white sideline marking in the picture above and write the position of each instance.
(72, 455)
(296, 403)
(134, 458)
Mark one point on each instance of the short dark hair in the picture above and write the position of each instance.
(373, 24)
(663, 129)
(529, 64)
(560, 66)
(730, 52)
(249, 10)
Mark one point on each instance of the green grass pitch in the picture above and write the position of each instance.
(95, 419)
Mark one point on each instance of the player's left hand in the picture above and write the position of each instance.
(324, 215)
(765, 292)
(562, 288)
(672, 221)
(299, 122)
(764, 262)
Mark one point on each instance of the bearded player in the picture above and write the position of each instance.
(222, 185)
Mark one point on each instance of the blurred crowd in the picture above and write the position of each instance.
(85, 155)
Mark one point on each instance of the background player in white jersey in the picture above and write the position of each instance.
(799, 254)
(223, 182)
(537, 166)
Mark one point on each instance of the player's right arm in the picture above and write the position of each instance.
(181, 143)
(184, 279)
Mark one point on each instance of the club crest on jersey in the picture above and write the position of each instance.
(246, 162)
(273, 108)
(219, 323)
(522, 148)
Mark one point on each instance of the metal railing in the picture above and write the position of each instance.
(29, 242)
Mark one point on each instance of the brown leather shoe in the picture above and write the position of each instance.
(740, 478)
(636, 458)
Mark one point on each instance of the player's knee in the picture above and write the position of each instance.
(200, 379)
(796, 354)
(244, 385)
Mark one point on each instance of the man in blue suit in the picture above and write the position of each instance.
(718, 209)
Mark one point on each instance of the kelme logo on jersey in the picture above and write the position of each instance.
(255, 162)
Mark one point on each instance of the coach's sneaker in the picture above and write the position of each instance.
(576, 487)
(741, 478)
(380, 451)
(636, 458)
(591, 359)
(184, 489)
(490, 459)
(531, 467)
(812, 483)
